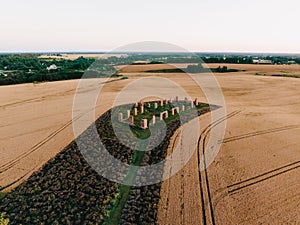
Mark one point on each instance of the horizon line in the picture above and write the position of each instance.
(149, 52)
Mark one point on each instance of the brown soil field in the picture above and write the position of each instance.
(253, 180)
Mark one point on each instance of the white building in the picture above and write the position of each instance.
(52, 67)
(262, 61)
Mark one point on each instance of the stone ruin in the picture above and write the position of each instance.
(153, 119)
(175, 109)
(131, 120)
(165, 113)
(196, 102)
(144, 124)
(128, 114)
(120, 117)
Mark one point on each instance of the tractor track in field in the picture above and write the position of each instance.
(234, 188)
(205, 194)
(11, 164)
(257, 133)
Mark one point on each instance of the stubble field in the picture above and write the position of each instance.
(253, 180)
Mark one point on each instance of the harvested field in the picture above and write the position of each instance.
(255, 177)
(253, 180)
(65, 189)
(262, 70)
(37, 125)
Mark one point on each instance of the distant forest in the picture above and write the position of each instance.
(26, 68)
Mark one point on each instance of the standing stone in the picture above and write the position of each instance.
(183, 108)
(144, 124)
(135, 112)
(120, 117)
(162, 115)
(131, 120)
(196, 102)
(173, 111)
(153, 119)
(192, 104)
(167, 114)
(128, 114)
(155, 105)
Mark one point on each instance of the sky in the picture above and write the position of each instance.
(195, 25)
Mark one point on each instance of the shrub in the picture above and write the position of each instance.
(3, 221)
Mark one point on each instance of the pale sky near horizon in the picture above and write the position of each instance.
(196, 25)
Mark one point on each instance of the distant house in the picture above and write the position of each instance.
(52, 67)
(141, 62)
(291, 62)
(262, 61)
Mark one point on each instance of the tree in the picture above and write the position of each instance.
(194, 68)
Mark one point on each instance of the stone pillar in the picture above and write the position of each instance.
(177, 110)
(161, 103)
(142, 109)
(164, 113)
(120, 117)
(149, 105)
(136, 105)
(173, 111)
(131, 120)
(135, 112)
(128, 114)
(153, 119)
(192, 104)
(155, 105)
(144, 124)
(196, 102)
(183, 108)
